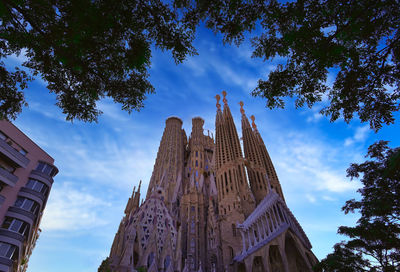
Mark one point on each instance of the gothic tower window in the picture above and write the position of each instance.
(150, 259)
(167, 261)
(231, 253)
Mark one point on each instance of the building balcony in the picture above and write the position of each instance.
(13, 237)
(32, 194)
(6, 264)
(13, 155)
(7, 177)
(2, 198)
(46, 179)
(22, 214)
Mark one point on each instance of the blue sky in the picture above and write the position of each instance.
(100, 162)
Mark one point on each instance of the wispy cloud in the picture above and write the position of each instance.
(304, 162)
(311, 198)
(70, 209)
(360, 135)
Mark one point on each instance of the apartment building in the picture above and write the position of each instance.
(26, 177)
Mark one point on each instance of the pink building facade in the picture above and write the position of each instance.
(26, 177)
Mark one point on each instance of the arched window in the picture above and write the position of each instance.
(233, 230)
(150, 259)
(167, 261)
(231, 253)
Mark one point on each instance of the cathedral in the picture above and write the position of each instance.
(209, 208)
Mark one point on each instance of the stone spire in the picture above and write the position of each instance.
(233, 138)
(234, 196)
(133, 202)
(169, 164)
(267, 162)
(255, 164)
(221, 138)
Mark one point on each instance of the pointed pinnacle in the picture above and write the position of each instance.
(140, 184)
(252, 123)
(218, 97)
(241, 107)
(224, 99)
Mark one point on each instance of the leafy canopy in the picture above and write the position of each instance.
(86, 50)
(358, 40)
(374, 243)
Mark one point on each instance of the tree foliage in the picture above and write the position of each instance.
(374, 243)
(359, 40)
(86, 50)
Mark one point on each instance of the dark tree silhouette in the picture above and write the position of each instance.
(86, 50)
(356, 40)
(374, 243)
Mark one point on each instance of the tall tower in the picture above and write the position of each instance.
(194, 199)
(255, 164)
(235, 199)
(168, 168)
(267, 162)
(201, 213)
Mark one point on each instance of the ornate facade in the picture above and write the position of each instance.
(209, 208)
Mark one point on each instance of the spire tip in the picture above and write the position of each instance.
(253, 124)
(224, 99)
(241, 107)
(218, 97)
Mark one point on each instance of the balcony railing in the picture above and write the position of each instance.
(12, 234)
(22, 211)
(42, 175)
(33, 192)
(6, 261)
(13, 155)
(7, 177)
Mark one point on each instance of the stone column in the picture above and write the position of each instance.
(263, 226)
(243, 239)
(248, 236)
(259, 231)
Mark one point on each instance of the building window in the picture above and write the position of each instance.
(3, 136)
(231, 253)
(197, 154)
(23, 151)
(47, 169)
(192, 226)
(192, 245)
(197, 163)
(37, 186)
(167, 262)
(6, 167)
(15, 225)
(233, 230)
(7, 250)
(27, 204)
(150, 259)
